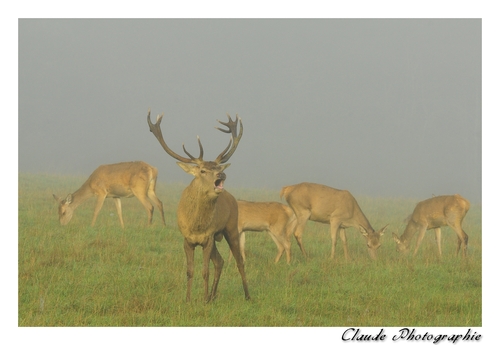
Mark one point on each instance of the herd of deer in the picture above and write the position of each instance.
(207, 212)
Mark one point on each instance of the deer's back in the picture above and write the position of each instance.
(261, 215)
(437, 210)
(322, 201)
(118, 180)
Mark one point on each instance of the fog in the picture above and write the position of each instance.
(381, 107)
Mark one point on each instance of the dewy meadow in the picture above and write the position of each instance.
(78, 275)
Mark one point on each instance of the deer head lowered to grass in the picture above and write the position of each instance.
(119, 180)
(319, 203)
(206, 211)
(433, 213)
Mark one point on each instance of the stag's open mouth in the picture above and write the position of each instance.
(219, 185)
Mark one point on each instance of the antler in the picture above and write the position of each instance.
(156, 130)
(233, 142)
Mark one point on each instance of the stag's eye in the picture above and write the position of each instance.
(202, 171)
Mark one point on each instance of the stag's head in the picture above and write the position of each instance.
(373, 240)
(206, 173)
(65, 210)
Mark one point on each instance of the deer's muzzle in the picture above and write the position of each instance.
(219, 182)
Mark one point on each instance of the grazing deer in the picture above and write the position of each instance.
(274, 217)
(206, 211)
(319, 203)
(433, 213)
(120, 180)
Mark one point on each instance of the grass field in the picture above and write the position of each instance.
(106, 276)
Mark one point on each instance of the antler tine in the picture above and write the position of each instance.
(200, 158)
(233, 141)
(156, 130)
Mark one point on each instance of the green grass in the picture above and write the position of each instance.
(106, 276)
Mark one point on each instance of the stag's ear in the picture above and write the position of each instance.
(190, 169)
(396, 238)
(58, 199)
(224, 166)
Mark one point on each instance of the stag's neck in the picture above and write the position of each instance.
(196, 209)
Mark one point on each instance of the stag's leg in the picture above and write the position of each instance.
(218, 264)
(189, 250)
(118, 204)
(420, 237)
(334, 228)
(437, 232)
(98, 206)
(242, 248)
(302, 219)
(232, 237)
(152, 196)
(208, 248)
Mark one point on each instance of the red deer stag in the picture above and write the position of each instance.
(120, 180)
(206, 211)
(433, 213)
(274, 217)
(319, 203)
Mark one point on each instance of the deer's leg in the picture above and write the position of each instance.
(142, 197)
(334, 228)
(232, 238)
(189, 251)
(218, 264)
(279, 244)
(118, 205)
(152, 196)
(462, 239)
(242, 246)
(437, 233)
(207, 255)
(420, 237)
(343, 237)
(98, 206)
(299, 230)
(455, 222)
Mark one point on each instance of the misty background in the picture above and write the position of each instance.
(381, 107)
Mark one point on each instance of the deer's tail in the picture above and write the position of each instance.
(284, 192)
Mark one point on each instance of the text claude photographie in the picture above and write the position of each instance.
(407, 334)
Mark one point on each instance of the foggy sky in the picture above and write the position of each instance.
(381, 107)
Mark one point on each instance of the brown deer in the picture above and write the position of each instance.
(119, 180)
(206, 211)
(433, 213)
(274, 217)
(319, 203)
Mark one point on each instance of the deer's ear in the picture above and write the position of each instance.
(363, 231)
(69, 199)
(190, 169)
(381, 231)
(224, 166)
